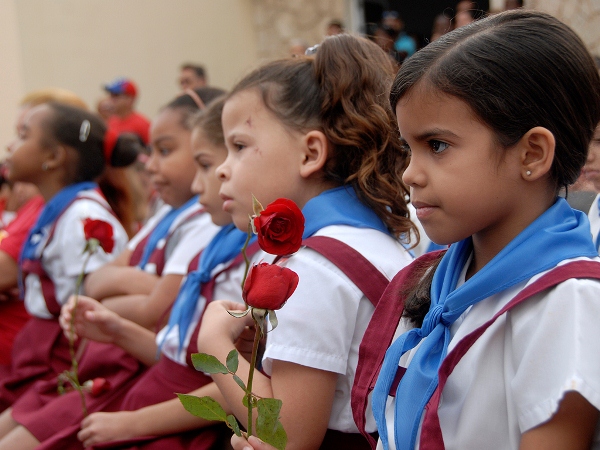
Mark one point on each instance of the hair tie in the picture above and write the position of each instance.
(196, 98)
(110, 140)
(84, 130)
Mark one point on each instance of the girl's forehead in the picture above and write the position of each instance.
(36, 114)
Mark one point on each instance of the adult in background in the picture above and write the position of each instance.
(192, 76)
(123, 94)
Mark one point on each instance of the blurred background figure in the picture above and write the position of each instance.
(512, 4)
(441, 25)
(192, 76)
(298, 47)
(123, 93)
(403, 43)
(465, 13)
(334, 27)
(104, 108)
(385, 38)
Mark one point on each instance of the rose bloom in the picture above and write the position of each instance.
(268, 286)
(279, 227)
(101, 231)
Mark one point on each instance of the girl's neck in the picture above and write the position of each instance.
(50, 188)
(488, 243)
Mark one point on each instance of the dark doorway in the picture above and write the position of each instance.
(418, 15)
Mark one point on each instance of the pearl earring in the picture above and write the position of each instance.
(528, 173)
(45, 166)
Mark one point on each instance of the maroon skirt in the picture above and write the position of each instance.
(55, 419)
(13, 318)
(161, 383)
(40, 352)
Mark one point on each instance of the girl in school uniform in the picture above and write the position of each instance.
(317, 130)
(158, 259)
(504, 353)
(61, 149)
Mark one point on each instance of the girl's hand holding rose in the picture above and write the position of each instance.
(91, 319)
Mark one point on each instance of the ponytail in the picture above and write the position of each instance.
(355, 77)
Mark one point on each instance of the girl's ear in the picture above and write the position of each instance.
(56, 157)
(537, 153)
(315, 153)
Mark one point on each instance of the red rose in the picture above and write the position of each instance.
(101, 231)
(96, 386)
(279, 227)
(268, 286)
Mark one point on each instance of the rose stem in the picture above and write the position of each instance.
(74, 363)
(257, 335)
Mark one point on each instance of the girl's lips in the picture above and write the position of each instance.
(227, 203)
(424, 210)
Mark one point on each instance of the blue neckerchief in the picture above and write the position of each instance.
(339, 206)
(559, 233)
(49, 214)
(52, 209)
(162, 229)
(432, 247)
(598, 235)
(225, 246)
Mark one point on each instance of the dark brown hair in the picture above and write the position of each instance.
(209, 122)
(188, 106)
(64, 126)
(342, 91)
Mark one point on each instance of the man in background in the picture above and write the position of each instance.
(192, 76)
(124, 118)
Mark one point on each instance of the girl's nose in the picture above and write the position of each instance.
(413, 175)
(197, 187)
(151, 163)
(222, 172)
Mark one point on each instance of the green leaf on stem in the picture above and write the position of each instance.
(204, 407)
(232, 361)
(239, 382)
(268, 426)
(208, 364)
(233, 424)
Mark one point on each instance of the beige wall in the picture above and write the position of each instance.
(11, 80)
(81, 44)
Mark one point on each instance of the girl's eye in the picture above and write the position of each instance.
(438, 146)
(239, 146)
(164, 151)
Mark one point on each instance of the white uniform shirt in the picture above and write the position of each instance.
(514, 376)
(323, 322)
(63, 257)
(187, 237)
(594, 217)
